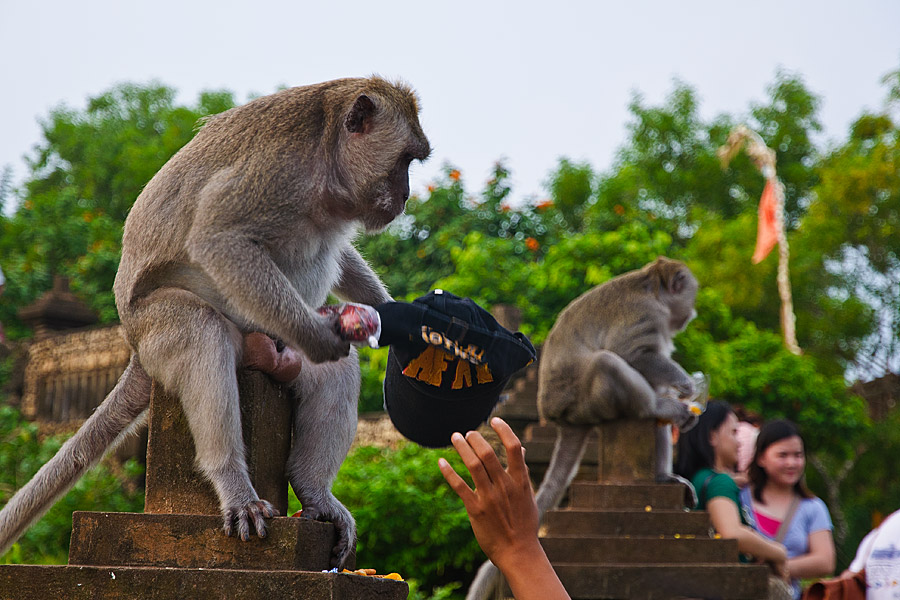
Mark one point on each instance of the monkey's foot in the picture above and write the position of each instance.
(344, 525)
(262, 353)
(238, 520)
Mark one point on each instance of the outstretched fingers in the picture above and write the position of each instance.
(471, 459)
(457, 483)
(515, 452)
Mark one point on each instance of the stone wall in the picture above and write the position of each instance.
(68, 375)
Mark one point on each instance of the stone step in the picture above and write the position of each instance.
(657, 582)
(197, 541)
(626, 495)
(33, 582)
(571, 521)
(639, 549)
(586, 473)
(541, 450)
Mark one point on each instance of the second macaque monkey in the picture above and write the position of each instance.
(608, 357)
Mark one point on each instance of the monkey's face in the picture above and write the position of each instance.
(383, 137)
(684, 293)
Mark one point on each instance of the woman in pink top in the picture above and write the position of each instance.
(783, 508)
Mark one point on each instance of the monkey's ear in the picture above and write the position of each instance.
(359, 119)
(676, 286)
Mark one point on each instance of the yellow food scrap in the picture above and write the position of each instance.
(371, 573)
(648, 508)
(718, 536)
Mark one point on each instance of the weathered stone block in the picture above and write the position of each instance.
(197, 541)
(627, 451)
(38, 582)
(626, 522)
(669, 496)
(657, 582)
(175, 486)
(669, 549)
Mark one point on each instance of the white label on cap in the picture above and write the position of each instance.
(438, 292)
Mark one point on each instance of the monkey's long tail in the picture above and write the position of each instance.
(108, 426)
(571, 442)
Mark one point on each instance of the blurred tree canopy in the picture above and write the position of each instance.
(85, 175)
(665, 193)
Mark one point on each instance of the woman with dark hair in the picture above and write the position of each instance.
(783, 508)
(706, 455)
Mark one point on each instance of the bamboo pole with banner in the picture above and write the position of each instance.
(770, 230)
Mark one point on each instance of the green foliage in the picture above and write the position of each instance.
(372, 364)
(107, 487)
(84, 178)
(873, 485)
(409, 520)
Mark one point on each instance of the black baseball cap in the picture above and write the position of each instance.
(448, 362)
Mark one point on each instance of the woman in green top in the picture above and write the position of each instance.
(706, 456)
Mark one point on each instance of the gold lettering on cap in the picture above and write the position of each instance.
(471, 353)
(463, 375)
(483, 373)
(429, 366)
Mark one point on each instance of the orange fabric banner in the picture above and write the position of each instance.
(767, 229)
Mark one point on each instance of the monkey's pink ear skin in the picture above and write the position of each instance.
(359, 120)
(261, 354)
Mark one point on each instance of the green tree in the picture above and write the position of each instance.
(852, 234)
(85, 175)
(107, 487)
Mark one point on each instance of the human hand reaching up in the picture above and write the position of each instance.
(503, 512)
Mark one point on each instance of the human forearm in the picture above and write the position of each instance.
(530, 575)
(503, 512)
(725, 519)
(752, 543)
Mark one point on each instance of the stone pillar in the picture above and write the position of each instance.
(174, 486)
(627, 451)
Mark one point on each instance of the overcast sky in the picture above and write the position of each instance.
(525, 81)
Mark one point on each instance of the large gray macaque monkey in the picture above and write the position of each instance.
(248, 228)
(608, 357)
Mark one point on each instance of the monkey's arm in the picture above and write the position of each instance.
(661, 371)
(358, 282)
(257, 291)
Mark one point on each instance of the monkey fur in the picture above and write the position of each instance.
(248, 228)
(606, 358)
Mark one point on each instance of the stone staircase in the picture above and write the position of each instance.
(636, 541)
(618, 534)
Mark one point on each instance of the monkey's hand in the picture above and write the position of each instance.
(684, 387)
(336, 513)
(323, 342)
(238, 518)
